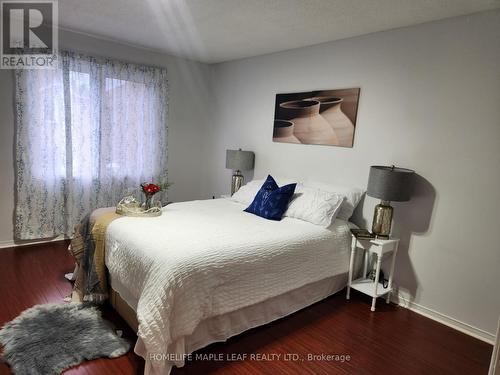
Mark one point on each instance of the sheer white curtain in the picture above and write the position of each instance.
(88, 133)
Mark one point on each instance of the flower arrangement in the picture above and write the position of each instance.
(150, 189)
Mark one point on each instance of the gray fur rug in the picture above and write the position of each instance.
(47, 339)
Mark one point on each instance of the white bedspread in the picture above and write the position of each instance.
(206, 258)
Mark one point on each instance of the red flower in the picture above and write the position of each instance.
(150, 188)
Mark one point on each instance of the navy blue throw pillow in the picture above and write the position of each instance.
(271, 201)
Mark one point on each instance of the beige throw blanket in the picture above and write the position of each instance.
(88, 249)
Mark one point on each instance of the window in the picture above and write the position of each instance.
(87, 132)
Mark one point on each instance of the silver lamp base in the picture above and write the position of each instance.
(236, 181)
(382, 219)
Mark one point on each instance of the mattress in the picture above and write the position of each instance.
(205, 259)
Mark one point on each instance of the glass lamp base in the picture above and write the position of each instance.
(382, 219)
(236, 182)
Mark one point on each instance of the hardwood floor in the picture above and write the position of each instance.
(392, 340)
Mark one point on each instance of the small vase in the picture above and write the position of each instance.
(283, 132)
(149, 201)
(330, 109)
(309, 126)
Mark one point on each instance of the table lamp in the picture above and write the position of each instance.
(238, 161)
(388, 184)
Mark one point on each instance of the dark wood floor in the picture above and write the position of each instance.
(392, 340)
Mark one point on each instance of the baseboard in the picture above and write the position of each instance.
(445, 319)
(11, 243)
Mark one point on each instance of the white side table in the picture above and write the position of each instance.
(365, 285)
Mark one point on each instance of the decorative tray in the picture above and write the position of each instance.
(129, 206)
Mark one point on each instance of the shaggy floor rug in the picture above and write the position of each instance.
(47, 339)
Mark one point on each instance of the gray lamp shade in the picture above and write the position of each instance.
(240, 160)
(390, 183)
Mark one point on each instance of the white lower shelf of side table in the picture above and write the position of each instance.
(367, 286)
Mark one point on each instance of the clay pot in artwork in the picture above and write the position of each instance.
(309, 126)
(330, 109)
(283, 132)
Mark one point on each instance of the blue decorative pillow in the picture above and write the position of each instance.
(271, 201)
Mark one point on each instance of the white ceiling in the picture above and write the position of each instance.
(220, 30)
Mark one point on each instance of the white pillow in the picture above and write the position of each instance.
(314, 206)
(352, 196)
(247, 193)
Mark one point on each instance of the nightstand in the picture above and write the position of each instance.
(379, 248)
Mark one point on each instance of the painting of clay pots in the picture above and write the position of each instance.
(323, 117)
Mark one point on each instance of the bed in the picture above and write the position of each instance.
(205, 271)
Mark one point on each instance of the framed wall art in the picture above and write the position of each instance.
(323, 117)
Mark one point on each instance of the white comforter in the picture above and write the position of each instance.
(206, 258)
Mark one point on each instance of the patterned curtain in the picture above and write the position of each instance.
(88, 133)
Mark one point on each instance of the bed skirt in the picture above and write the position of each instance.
(222, 327)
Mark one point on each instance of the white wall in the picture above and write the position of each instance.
(430, 101)
(189, 111)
